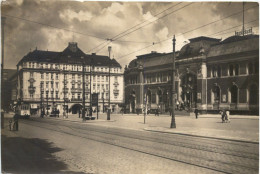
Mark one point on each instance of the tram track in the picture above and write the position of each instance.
(182, 142)
(152, 147)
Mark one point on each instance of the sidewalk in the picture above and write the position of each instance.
(241, 128)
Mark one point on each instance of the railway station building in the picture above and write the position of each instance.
(211, 74)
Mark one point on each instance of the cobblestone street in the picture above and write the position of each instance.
(99, 146)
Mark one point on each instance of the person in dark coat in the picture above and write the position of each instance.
(196, 111)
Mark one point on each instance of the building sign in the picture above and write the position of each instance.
(95, 99)
(245, 31)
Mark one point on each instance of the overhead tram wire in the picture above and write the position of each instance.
(145, 21)
(51, 26)
(115, 39)
(188, 32)
(210, 23)
(154, 21)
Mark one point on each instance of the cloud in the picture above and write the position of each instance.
(107, 19)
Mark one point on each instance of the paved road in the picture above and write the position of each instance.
(48, 145)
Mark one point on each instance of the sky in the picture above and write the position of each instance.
(135, 28)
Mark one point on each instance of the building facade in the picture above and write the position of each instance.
(54, 80)
(210, 75)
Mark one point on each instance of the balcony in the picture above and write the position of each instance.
(76, 89)
(76, 99)
(115, 83)
(116, 91)
(31, 89)
(65, 90)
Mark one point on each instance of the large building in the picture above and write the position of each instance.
(54, 80)
(210, 74)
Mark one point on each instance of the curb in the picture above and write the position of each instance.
(217, 138)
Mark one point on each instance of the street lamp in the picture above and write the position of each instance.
(90, 103)
(173, 124)
(109, 110)
(103, 100)
(83, 97)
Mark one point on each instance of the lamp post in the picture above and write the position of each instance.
(90, 90)
(103, 100)
(109, 110)
(83, 97)
(173, 124)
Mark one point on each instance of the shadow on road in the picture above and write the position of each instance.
(22, 155)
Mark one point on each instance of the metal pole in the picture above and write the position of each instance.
(64, 95)
(103, 102)
(90, 103)
(173, 124)
(83, 97)
(243, 29)
(109, 110)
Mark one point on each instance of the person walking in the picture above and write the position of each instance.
(227, 116)
(196, 111)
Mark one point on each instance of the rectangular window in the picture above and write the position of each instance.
(57, 76)
(98, 78)
(31, 74)
(94, 86)
(73, 96)
(52, 76)
(42, 76)
(98, 86)
(47, 94)
(57, 96)
(47, 84)
(107, 78)
(57, 85)
(52, 84)
(42, 83)
(78, 95)
(94, 78)
(47, 75)
(106, 86)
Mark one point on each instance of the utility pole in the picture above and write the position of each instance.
(243, 29)
(2, 68)
(83, 97)
(90, 103)
(64, 95)
(109, 110)
(173, 124)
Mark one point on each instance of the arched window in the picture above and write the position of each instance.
(234, 94)
(216, 92)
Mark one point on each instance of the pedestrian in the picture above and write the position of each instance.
(196, 111)
(227, 116)
(223, 115)
(177, 104)
(58, 113)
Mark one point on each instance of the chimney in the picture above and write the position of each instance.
(73, 46)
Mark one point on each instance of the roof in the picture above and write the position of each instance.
(197, 46)
(235, 44)
(71, 55)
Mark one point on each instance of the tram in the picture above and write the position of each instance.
(23, 110)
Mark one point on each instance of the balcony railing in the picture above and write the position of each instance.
(31, 89)
(76, 99)
(76, 89)
(116, 83)
(116, 91)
